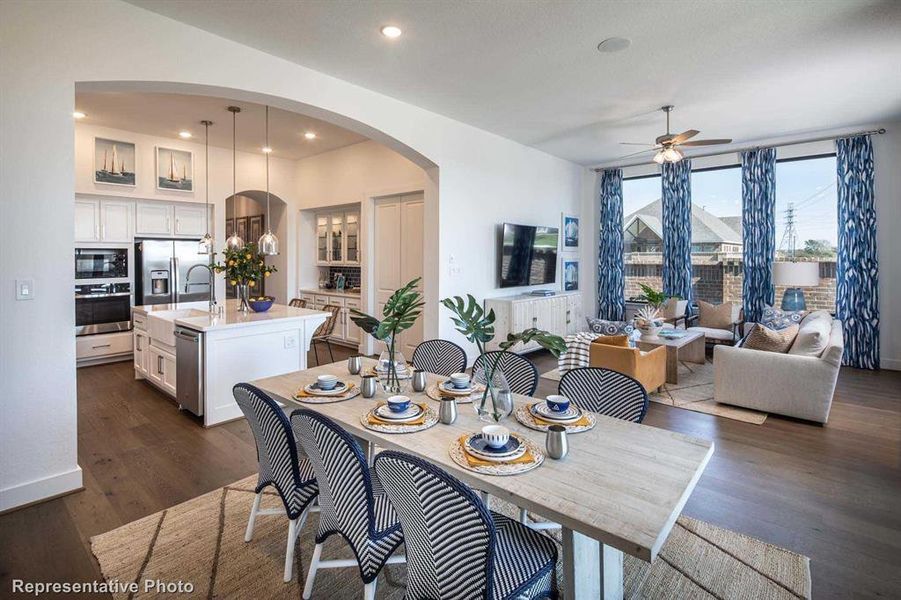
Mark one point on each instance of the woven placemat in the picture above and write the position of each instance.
(458, 455)
(524, 416)
(430, 419)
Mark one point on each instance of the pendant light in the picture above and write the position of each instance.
(268, 243)
(205, 246)
(234, 242)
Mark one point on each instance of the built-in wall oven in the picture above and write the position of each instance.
(102, 308)
(101, 263)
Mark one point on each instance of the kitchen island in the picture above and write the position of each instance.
(197, 357)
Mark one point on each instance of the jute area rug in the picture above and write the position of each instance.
(202, 542)
(694, 392)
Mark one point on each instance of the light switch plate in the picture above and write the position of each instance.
(24, 289)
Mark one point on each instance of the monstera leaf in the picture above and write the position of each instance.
(470, 319)
(550, 342)
(400, 313)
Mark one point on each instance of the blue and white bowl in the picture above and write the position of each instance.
(326, 382)
(398, 404)
(557, 403)
(459, 380)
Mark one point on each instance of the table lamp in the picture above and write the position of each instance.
(795, 275)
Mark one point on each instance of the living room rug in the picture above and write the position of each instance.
(201, 541)
(694, 392)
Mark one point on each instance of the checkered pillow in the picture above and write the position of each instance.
(610, 327)
(777, 319)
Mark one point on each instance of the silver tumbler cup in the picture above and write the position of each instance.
(368, 386)
(447, 412)
(556, 441)
(419, 380)
(354, 364)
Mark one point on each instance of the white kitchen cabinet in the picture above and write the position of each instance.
(102, 348)
(142, 342)
(345, 332)
(116, 221)
(559, 314)
(189, 220)
(87, 220)
(352, 333)
(338, 238)
(154, 218)
(160, 369)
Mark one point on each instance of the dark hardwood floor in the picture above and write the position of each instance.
(832, 493)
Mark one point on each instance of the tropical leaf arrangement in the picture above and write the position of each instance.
(477, 326)
(653, 297)
(399, 314)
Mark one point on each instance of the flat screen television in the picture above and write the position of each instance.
(528, 255)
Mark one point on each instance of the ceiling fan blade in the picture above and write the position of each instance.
(637, 144)
(685, 135)
(705, 143)
(637, 153)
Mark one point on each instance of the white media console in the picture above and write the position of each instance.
(560, 314)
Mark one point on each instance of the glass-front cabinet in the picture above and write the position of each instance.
(338, 238)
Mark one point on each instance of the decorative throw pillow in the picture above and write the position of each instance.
(776, 318)
(610, 327)
(715, 316)
(613, 340)
(813, 335)
(771, 340)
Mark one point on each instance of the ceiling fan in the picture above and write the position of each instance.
(667, 145)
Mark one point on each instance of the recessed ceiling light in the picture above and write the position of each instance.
(614, 44)
(185, 135)
(267, 150)
(391, 31)
(78, 115)
(310, 135)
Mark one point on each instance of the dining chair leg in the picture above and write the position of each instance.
(311, 574)
(315, 352)
(369, 590)
(328, 345)
(248, 535)
(293, 530)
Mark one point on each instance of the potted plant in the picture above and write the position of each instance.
(245, 268)
(400, 313)
(648, 318)
(477, 326)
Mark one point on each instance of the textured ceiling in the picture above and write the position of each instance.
(530, 71)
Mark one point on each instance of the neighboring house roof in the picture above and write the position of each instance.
(706, 228)
(733, 223)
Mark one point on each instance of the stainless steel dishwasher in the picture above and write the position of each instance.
(189, 370)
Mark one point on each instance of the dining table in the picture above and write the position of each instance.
(619, 490)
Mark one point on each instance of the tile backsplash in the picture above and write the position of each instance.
(351, 275)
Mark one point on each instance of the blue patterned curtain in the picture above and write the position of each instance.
(611, 282)
(676, 183)
(758, 217)
(857, 296)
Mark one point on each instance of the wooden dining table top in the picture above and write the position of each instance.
(622, 483)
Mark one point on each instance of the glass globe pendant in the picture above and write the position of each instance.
(234, 242)
(268, 243)
(205, 245)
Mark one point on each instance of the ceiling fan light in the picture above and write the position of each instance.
(672, 155)
(659, 158)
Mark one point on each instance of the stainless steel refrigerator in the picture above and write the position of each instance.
(165, 273)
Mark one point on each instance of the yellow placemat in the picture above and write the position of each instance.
(302, 393)
(478, 462)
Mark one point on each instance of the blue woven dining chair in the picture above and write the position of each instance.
(279, 466)
(456, 547)
(605, 392)
(440, 357)
(352, 502)
(519, 371)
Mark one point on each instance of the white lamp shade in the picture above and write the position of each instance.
(796, 274)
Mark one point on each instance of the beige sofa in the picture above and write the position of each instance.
(785, 384)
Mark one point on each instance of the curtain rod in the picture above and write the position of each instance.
(879, 131)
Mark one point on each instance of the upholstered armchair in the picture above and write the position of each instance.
(674, 311)
(649, 368)
(716, 330)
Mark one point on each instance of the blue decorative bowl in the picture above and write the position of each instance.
(261, 304)
(557, 403)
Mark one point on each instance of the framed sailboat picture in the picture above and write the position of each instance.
(114, 162)
(174, 169)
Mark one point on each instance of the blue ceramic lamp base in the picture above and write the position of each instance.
(793, 300)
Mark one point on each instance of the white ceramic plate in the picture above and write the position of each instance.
(414, 411)
(313, 388)
(517, 449)
(543, 411)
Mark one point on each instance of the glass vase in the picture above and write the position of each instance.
(242, 291)
(393, 371)
(496, 402)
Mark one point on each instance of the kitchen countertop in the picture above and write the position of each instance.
(230, 318)
(354, 294)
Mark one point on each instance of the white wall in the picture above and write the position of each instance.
(887, 149)
(251, 170)
(46, 47)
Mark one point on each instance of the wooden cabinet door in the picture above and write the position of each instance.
(116, 221)
(87, 220)
(190, 220)
(154, 219)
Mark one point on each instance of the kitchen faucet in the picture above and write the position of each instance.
(212, 284)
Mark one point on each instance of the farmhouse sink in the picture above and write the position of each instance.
(161, 325)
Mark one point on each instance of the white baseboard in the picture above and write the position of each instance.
(892, 364)
(40, 489)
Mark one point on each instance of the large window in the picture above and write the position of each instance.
(807, 219)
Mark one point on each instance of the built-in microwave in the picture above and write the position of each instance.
(101, 263)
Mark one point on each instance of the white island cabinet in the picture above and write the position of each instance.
(231, 348)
